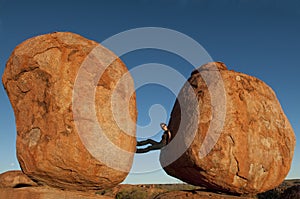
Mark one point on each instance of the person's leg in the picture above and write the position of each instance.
(144, 150)
(156, 146)
(145, 142)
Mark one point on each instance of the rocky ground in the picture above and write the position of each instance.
(167, 191)
(67, 97)
(288, 189)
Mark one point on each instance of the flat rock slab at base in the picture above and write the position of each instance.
(75, 119)
(13, 179)
(243, 143)
(45, 193)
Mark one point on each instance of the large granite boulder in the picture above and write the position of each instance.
(75, 111)
(243, 142)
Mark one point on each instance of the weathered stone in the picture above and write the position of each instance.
(67, 95)
(255, 144)
(13, 179)
(46, 193)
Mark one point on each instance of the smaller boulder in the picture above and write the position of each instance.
(240, 141)
(15, 179)
(45, 192)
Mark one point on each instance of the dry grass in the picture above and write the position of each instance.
(288, 189)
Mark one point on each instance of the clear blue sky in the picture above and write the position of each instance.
(257, 37)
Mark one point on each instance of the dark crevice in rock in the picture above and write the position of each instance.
(241, 176)
(22, 90)
(231, 138)
(21, 185)
(238, 169)
(38, 53)
(73, 52)
(30, 69)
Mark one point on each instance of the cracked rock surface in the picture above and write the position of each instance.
(253, 150)
(67, 133)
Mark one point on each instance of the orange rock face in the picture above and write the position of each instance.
(254, 148)
(67, 94)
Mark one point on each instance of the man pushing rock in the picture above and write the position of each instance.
(165, 139)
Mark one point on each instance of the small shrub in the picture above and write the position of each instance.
(292, 193)
(132, 194)
(102, 192)
(272, 194)
(123, 195)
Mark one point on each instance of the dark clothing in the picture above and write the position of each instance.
(165, 139)
(154, 146)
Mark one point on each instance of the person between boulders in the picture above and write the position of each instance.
(165, 139)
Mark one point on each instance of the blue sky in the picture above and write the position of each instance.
(257, 37)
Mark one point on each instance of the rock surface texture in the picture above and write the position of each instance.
(253, 150)
(61, 87)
